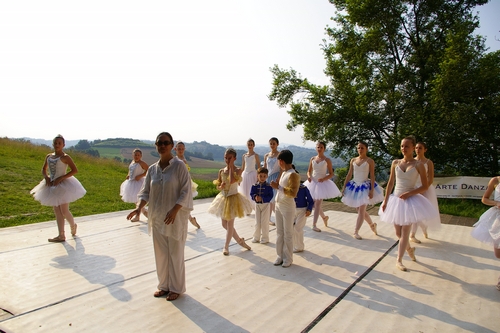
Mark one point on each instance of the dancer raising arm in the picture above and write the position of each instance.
(229, 203)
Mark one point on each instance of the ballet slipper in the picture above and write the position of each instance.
(411, 253)
(325, 220)
(57, 239)
(400, 266)
(374, 228)
(357, 236)
(415, 240)
(73, 229)
(242, 243)
(194, 222)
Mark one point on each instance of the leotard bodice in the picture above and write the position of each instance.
(134, 170)
(230, 189)
(361, 172)
(57, 168)
(273, 165)
(249, 163)
(320, 169)
(405, 181)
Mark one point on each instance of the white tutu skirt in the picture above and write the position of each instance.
(356, 194)
(230, 207)
(249, 179)
(487, 229)
(194, 188)
(67, 191)
(412, 210)
(324, 190)
(130, 188)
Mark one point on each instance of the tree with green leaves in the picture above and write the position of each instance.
(399, 68)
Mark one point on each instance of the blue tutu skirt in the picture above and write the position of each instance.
(487, 228)
(412, 210)
(356, 194)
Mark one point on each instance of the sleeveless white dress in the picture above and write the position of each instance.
(487, 228)
(67, 191)
(412, 210)
(249, 176)
(356, 190)
(131, 187)
(323, 190)
(430, 194)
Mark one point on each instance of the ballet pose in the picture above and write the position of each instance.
(229, 203)
(487, 228)
(59, 188)
(430, 194)
(271, 164)
(135, 179)
(362, 190)
(406, 205)
(180, 148)
(320, 184)
(250, 162)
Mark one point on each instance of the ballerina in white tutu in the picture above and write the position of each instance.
(487, 228)
(406, 205)
(135, 179)
(272, 165)
(180, 148)
(320, 184)
(430, 194)
(362, 190)
(59, 188)
(249, 163)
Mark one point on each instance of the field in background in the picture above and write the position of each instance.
(20, 171)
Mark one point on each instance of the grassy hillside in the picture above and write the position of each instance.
(20, 171)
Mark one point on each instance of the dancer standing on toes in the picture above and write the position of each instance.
(271, 164)
(406, 205)
(430, 194)
(320, 184)
(362, 190)
(487, 228)
(250, 162)
(167, 188)
(287, 187)
(133, 183)
(59, 188)
(180, 148)
(229, 203)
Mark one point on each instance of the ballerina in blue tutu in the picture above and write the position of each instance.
(362, 190)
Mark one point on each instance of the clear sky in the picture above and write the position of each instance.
(198, 69)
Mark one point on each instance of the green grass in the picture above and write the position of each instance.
(20, 171)
(108, 152)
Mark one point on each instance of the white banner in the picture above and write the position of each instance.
(461, 187)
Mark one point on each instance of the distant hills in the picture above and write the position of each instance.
(120, 148)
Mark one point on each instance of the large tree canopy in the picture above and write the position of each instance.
(399, 68)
